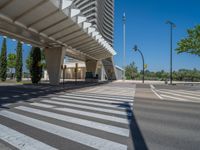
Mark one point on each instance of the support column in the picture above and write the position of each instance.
(91, 66)
(54, 59)
(109, 68)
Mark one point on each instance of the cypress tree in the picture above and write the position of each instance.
(36, 67)
(19, 62)
(3, 61)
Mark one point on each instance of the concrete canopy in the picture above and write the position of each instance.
(53, 23)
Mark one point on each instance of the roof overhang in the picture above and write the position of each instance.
(53, 23)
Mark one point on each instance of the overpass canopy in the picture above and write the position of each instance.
(53, 23)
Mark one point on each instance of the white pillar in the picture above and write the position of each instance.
(54, 59)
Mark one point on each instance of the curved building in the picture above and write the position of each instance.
(101, 14)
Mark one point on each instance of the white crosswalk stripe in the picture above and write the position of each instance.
(179, 95)
(95, 115)
(118, 112)
(21, 141)
(90, 114)
(69, 134)
(105, 98)
(77, 117)
(119, 106)
(91, 124)
(191, 93)
(43, 105)
(96, 100)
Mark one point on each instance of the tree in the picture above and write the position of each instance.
(11, 63)
(190, 44)
(28, 61)
(3, 61)
(36, 67)
(19, 62)
(43, 60)
(131, 71)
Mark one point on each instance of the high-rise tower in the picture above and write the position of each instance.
(101, 14)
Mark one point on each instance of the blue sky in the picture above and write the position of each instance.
(146, 27)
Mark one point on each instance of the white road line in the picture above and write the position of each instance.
(95, 115)
(102, 94)
(190, 92)
(95, 100)
(152, 87)
(194, 91)
(42, 105)
(105, 98)
(88, 108)
(153, 90)
(175, 98)
(183, 92)
(82, 122)
(122, 107)
(184, 96)
(79, 137)
(21, 141)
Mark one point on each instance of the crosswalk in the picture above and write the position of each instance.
(179, 95)
(88, 120)
(109, 90)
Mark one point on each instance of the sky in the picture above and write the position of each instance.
(145, 26)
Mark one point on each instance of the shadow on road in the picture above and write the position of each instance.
(138, 141)
(26, 93)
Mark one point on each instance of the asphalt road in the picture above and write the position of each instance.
(167, 124)
(100, 117)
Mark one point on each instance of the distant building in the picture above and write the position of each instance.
(119, 72)
(101, 14)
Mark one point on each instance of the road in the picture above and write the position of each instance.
(113, 116)
(167, 123)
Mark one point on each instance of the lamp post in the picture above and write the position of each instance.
(136, 49)
(124, 44)
(63, 67)
(172, 25)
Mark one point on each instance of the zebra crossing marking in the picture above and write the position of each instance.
(89, 108)
(104, 95)
(184, 92)
(21, 141)
(105, 98)
(95, 115)
(82, 122)
(42, 105)
(119, 106)
(96, 100)
(79, 137)
(173, 93)
(172, 97)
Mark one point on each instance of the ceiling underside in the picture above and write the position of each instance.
(53, 23)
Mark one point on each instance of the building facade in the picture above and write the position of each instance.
(101, 14)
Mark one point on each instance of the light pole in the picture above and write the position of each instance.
(136, 49)
(124, 44)
(172, 25)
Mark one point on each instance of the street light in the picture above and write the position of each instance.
(124, 44)
(172, 25)
(136, 49)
